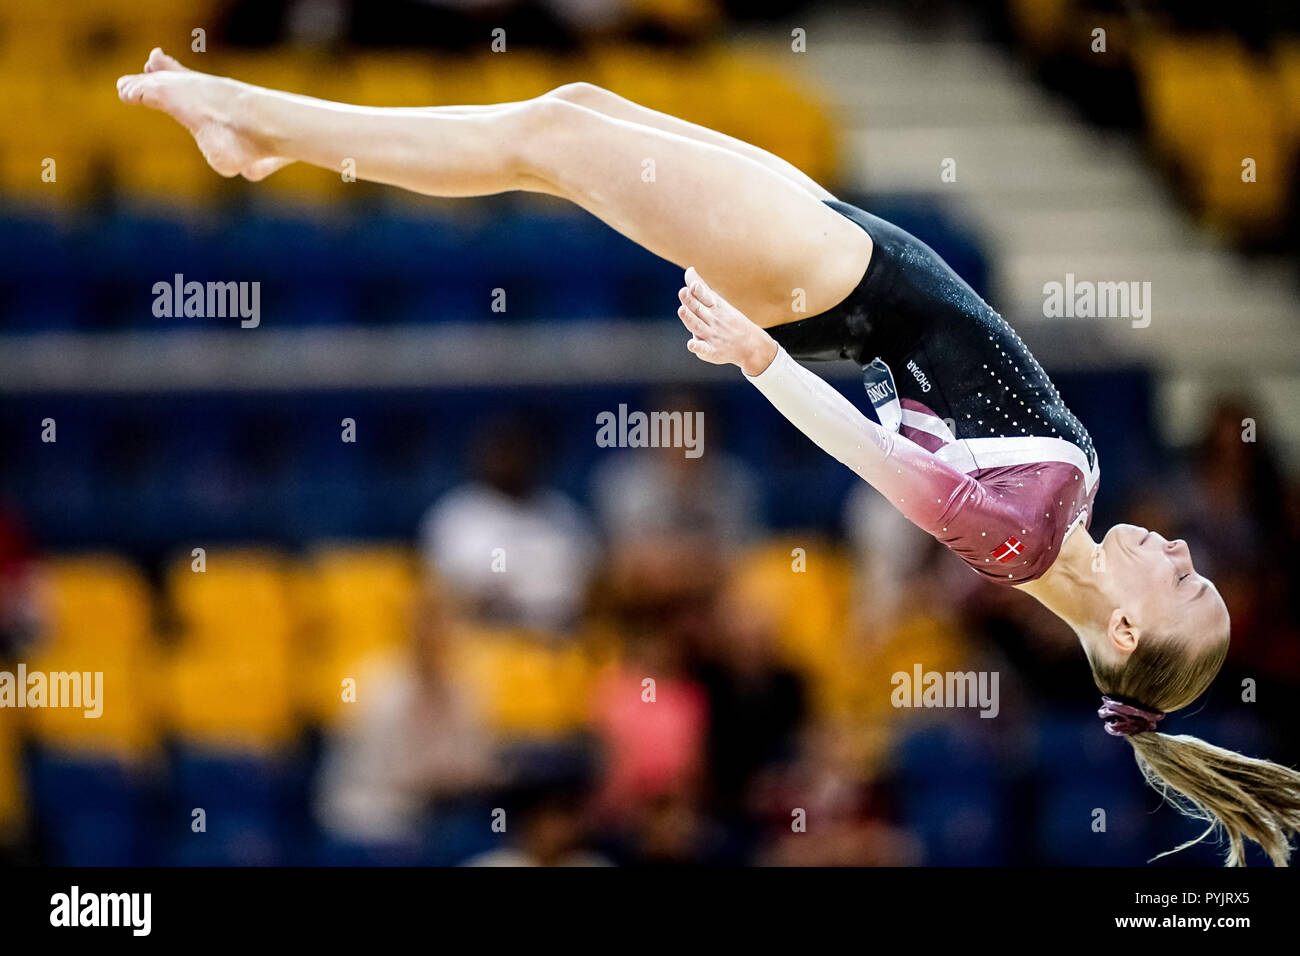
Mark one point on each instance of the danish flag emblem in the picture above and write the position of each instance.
(1008, 549)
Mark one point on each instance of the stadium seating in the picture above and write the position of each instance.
(91, 809)
(81, 125)
(216, 718)
(1212, 108)
(230, 672)
(1209, 102)
(358, 601)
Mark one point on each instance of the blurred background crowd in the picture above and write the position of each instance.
(366, 651)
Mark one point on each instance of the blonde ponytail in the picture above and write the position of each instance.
(1240, 798)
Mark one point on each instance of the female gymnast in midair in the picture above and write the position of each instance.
(974, 445)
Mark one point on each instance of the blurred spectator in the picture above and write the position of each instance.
(643, 492)
(849, 817)
(1231, 503)
(414, 738)
(650, 714)
(520, 554)
(757, 704)
(655, 744)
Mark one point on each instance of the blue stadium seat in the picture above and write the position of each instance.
(418, 269)
(246, 799)
(130, 251)
(90, 810)
(959, 826)
(41, 283)
(301, 263)
(960, 752)
(555, 266)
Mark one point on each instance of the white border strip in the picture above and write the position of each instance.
(973, 454)
(930, 424)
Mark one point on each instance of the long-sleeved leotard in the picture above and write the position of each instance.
(976, 447)
(1006, 521)
(1001, 502)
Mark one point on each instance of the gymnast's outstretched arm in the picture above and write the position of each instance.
(925, 489)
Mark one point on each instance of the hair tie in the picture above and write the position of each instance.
(1125, 720)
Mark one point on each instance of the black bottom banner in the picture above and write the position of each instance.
(466, 906)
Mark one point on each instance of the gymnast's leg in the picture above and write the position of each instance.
(759, 236)
(593, 98)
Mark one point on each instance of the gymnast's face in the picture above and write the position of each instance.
(1154, 588)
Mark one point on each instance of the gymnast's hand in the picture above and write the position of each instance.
(720, 332)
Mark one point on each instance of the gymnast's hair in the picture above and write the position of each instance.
(1239, 797)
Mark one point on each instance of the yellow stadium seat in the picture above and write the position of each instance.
(366, 595)
(407, 79)
(360, 601)
(517, 75)
(1211, 106)
(644, 76)
(1180, 80)
(36, 113)
(22, 170)
(97, 602)
(27, 47)
(242, 700)
(456, 81)
(806, 587)
(765, 106)
(240, 603)
(100, 622)
(177, 170)
(859, 686)
(127, 700)
(532, 684)
(1240, 206)
(287, 70)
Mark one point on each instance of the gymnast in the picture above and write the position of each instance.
(972, 444)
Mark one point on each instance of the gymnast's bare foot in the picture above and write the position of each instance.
(204, 105)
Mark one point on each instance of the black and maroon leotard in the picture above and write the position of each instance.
(974, 444)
